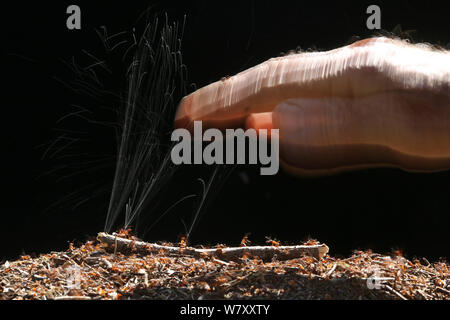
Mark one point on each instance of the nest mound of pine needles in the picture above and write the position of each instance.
(99, 269)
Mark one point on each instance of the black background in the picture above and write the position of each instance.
(380, 209)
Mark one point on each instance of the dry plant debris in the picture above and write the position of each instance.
(98, 270)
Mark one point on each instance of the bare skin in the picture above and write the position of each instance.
(378, 102)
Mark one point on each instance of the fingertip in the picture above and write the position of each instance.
(183, 115)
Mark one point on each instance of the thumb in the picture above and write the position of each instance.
(329, 135)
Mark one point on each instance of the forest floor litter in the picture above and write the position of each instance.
(127, 268)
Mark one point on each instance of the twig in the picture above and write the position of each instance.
(234, 253)
(442, 290)
(329, 273)
(394, 292)
(424, 295)
(221, 262)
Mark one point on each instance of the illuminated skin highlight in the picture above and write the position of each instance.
(379, 102)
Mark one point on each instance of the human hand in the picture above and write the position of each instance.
(377, 102)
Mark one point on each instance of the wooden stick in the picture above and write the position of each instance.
(263, 252)
(398, 294)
